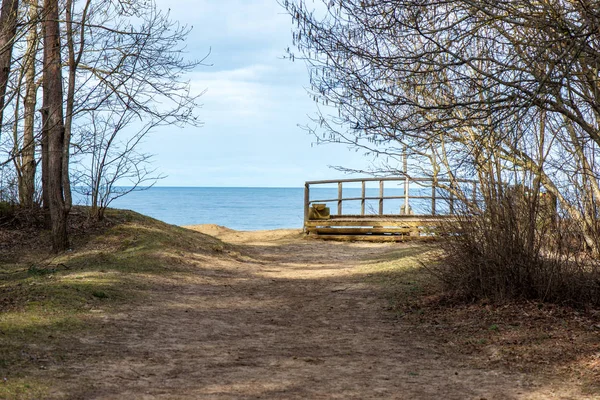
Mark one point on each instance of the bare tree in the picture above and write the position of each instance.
(116, 167)
(111, 73)
(53, 126)
(25, 159)
(128, 69)
(8, 29)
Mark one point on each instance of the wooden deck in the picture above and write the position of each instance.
(405, 226)
(377, 228)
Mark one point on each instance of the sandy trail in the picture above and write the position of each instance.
(288, 319)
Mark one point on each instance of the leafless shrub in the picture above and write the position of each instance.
(516, 245)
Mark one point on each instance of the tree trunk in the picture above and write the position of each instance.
(70, 103)
(8, 29)
(27, 175)
(74, 58)
(44, 148)
(54, 125)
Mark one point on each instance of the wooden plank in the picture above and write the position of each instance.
(306, 201)
(358, 231)
(382, 222)
(395, 217)
(380, 197)
(340, 195)
(333, 222)
(362, 200)
(372, 238)
(433, 193)
(413, 179)
(368, 198)
(406, 206)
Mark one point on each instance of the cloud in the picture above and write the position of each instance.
(239, 32)
(254, 91)
(256, 72)
(231, 18)
(236, 98)
(253, 103)
(248, 83)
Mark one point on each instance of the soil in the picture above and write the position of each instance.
(282, 318)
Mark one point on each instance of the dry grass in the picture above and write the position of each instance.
(525, 336)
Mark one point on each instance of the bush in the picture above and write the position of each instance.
(7, 212)
(515, 245)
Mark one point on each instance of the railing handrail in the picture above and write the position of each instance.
(404, 178)
(420, 197)
(385, 179)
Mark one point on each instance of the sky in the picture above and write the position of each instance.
(253, 105)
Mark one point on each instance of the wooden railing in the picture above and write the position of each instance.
(435, 184)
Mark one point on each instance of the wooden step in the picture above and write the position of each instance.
(377, 227)
(371, 238)
(358, 231)
(372, 223)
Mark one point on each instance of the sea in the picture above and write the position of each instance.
(242, 208)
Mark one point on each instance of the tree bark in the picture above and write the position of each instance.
(8, 29)
(70, 102)
(27, 175)
(54, 125)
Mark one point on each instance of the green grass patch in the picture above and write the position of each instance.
(45, 300)
(402, 275)
(22, 389)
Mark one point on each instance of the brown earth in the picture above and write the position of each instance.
(279, 317)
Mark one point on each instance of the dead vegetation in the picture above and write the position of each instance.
(533, 337)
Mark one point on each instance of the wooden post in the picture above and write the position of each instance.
(406, 207)
(362, 200)
(380, 197)
(339, 198)
(451, 200)
(433, 193)
(306, 203)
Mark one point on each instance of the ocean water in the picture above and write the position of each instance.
(246, 208)
(235, 208)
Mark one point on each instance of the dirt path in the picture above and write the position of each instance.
(284, 319)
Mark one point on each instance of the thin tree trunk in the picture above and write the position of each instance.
(74, 58)
(27, 176)
(69, 106)
(44, 145)
(8, 30)
(45, 167)
(54, 125)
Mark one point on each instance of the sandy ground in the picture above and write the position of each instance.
(285, 318)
